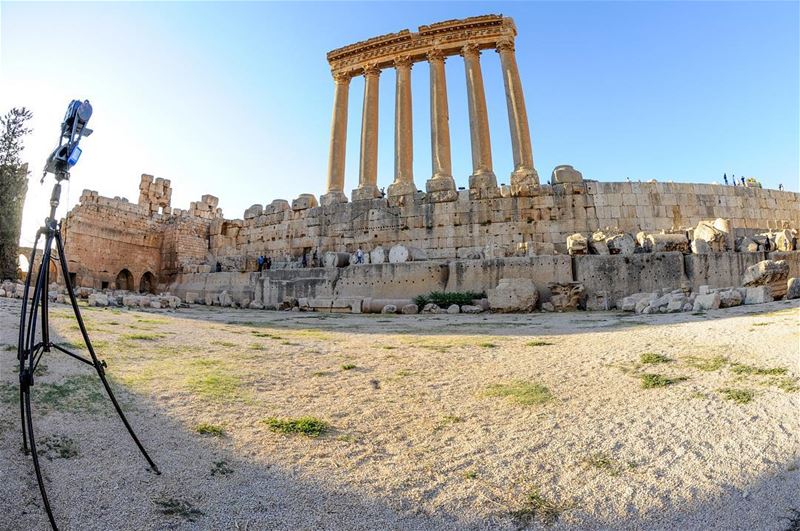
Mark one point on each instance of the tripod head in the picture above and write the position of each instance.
(73, 128)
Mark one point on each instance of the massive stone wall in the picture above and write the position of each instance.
(105, 236)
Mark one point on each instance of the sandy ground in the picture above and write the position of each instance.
(416, 439)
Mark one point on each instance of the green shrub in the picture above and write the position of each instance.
(740, 396)
(524, 393)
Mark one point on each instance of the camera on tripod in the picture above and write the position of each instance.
(73, 128)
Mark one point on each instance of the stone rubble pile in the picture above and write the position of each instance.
(93, 297)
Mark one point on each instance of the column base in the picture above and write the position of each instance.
(441, 189)
(332, 198)
(483, 185)
(363, 193)
(401, 188)
(524, 182)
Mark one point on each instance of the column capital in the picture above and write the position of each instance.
(470, 50)
(435, 55)
(341, 78)
(504, 45)
(372, 70)
(403, 61)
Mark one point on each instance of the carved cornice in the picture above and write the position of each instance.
(447, 38)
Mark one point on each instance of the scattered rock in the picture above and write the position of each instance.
(453, 309)
(793, 288)
(772, 273)
(566, 296)
(548, 307)
(389, 308)
(431, 308)
(700, 246)
(709, 301)
(730, 298)
(577, 244)
(623, 244)
(469, 308)
(225, 300)
(410, 309)
(758, 295)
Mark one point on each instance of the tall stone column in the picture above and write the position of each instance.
(441, 186)
(336, 159)
(524, 178)
(403, 132)
(368, 170)
(482, 182)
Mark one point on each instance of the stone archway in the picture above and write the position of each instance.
(124, 280)
(147, 284)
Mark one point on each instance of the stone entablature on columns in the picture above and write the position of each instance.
(448, 37)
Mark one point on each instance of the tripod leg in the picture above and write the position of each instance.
(21, 340)
(36, 467)
(45, 295)
(97, 365)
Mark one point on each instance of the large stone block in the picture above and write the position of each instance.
(770, 273)
(513, 295)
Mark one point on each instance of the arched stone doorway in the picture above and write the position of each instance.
(124, 280)
(148, 283)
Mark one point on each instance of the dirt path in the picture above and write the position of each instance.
(431, 422)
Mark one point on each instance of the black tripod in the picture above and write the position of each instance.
(30, 352)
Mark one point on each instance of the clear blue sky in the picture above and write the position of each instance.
(235, 99)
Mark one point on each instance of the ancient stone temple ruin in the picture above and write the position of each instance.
(599, 240)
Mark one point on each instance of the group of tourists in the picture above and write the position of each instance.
(264, 262)
(741, 181)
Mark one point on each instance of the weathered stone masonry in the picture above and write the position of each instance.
(117, 244)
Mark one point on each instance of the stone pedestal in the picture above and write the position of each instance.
(441, 189)
(524, 182)
(365, 192)
(332, 198)
(401, 188)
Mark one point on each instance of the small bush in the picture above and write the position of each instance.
(650, 381)
(205, 428)
(308, 426)
(652, 358)
(348, 366)
(487, 345)
(740, 396)
(524, 393)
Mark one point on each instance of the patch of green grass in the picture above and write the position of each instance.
(469, 474)
(348, 366)
(321, 373)
(761, 324)
(308, 426)
(216, 386)
(224, 343)
(142, 337)
(740, 396)
(741, 368)
(221, 468)
(257, 346)
(652, 358)
(290, 343)
(651, 381)
(447, 420)
(9, 348)
(537, 507)
(258, 333)
(706, 364)
(151, 320)
(57, 446)
(521, 392)
(74, 393)
(204, 428)
(537, 343)
(609, 465)
(385, 347)
(176, 507)
(787, 384)
(487, 345)
(404, 372)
